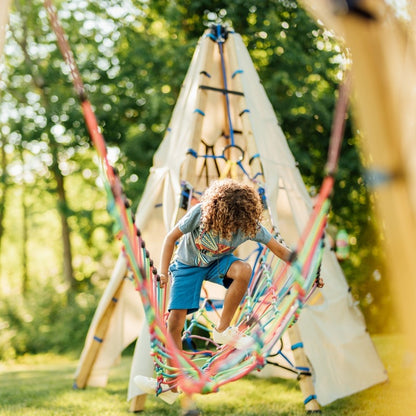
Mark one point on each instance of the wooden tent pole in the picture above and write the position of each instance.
(91, 354)
(190, 164)
(138, 403)
(301, 361)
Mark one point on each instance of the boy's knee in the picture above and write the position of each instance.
(246, 270)
(240, 270)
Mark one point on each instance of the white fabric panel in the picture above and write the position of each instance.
(344, 360)
(142, 361)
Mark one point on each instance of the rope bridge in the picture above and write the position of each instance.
(277, 291)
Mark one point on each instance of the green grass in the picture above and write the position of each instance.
(42, 386)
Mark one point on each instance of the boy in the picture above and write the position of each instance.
(229, 214)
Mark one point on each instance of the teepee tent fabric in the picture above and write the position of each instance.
(223, 112)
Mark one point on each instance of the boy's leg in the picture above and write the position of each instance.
(176, 322)
(240, 273)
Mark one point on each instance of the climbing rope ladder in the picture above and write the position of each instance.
(277, 290)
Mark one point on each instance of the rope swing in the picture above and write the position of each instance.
(277, 290)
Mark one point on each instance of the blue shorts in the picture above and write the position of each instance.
(187, 281)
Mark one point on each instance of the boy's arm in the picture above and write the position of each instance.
(166, 254)
(279, 250)
(288, 255)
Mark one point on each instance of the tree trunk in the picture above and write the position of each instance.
(66, 231)
(25, 233)
(25, 238)
(39, 83)
(3, 190)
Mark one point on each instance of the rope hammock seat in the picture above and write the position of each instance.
(277, 291)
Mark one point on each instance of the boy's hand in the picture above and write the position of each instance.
(164, 278)
(319, 282)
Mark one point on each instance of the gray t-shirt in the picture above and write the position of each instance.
(200, 248)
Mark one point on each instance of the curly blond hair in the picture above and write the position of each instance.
(229, 206)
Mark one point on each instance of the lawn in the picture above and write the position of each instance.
(42, 386)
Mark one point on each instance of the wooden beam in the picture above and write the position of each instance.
(89, 357)
(305, 379)
(137, 403)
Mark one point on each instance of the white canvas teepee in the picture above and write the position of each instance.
(333, 331)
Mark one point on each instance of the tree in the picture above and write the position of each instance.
(4, 185)
(133, 59)
(46, 118)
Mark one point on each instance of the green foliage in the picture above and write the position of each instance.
(94, 248)
(46, 320)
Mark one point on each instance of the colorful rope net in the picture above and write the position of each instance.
(276, 294)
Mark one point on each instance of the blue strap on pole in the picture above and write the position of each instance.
(197, 110)
(309, 398)
(238, 71)
(297, 345)
(212, 36)
(303, 369)
(192, 152)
